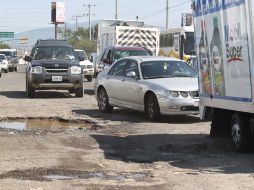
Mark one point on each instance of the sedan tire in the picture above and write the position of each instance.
(103, 103)
(152, 108)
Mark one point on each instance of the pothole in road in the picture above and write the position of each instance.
(43, 174)
(42, 125)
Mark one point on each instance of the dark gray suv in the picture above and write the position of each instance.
(53, 65)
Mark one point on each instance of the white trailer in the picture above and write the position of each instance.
(127, 33)
(224, 47)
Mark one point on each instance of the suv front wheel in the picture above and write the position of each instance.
(30, 92)
(79, 92)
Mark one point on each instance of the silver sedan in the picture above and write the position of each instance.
(155, 85)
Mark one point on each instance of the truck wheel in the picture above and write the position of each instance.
(240, 132)
(89, 78)
(152, 108)
(103, 103)
(30, 92)
(6, 71)
(79, 92)
(220, 126)
(10, 69)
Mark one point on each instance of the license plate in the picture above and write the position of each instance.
(196, 104)
(57, 78)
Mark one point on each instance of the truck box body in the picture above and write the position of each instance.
(127, 33)
(224, 47)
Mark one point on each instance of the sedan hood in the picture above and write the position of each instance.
(176, 83)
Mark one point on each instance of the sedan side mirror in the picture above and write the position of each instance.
(28, 58)
(131, 74)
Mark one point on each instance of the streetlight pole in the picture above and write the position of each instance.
(167, 13)
(116, 16)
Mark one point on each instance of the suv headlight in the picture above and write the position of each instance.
(36, 70)
(75, 70)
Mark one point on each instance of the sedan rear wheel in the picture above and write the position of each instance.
(152, 108)
(103, 102)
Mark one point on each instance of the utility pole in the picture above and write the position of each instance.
(76, 17)
(116, 16)
(167, 8)
(89, 17)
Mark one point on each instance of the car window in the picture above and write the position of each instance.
(119, 68)
(132, 66)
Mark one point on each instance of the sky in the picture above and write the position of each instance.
(22, 15)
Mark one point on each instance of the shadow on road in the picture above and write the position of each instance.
(14, 94)
(89, 92)
(134, 116)
(188, 151)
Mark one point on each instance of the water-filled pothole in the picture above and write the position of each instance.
(42, 124)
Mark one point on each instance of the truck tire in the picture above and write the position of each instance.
(6, 71)
(89, 78)
(220, 126)
(240, 132)
(79, 92)
(30, 91)
(152, 108)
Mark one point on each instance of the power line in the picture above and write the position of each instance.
(163, 10)
(76, 17)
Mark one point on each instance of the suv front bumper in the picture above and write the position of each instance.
(44, 82)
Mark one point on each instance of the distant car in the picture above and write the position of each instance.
(114, 53)
(53, 65)
(11, 55)
(86, 65)
(4, 64)
(156, 85)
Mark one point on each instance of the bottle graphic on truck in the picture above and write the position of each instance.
(204, 61)
(217, 60)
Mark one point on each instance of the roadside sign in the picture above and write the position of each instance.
(6, 34)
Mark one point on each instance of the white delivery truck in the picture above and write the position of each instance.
(127, 33)
(224, 47)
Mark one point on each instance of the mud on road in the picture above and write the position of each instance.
(78, 147)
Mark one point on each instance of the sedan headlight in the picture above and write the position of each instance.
(75, 70)
(173, 94)
(36, 70)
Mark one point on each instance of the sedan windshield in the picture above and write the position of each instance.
(125, 53)
(81, 54)
(63, 53)
(166, 69)
(2, 57)
(6, 53)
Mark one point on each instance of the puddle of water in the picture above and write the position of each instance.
(60, 177)
(37, 124)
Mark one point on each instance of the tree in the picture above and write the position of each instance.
(79, 39)
(4, 46)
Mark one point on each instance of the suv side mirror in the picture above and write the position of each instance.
(81, 58)
(28, 58)
(131, 74)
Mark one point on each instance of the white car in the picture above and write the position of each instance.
(155, 85)
(86, 65)
(4, 64)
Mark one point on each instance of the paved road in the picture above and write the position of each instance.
(117, 151)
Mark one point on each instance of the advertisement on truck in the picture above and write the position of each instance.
(222, 48)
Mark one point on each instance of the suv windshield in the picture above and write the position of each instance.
(80, 54)
(62, 53)
(166, 69)
(2, 57)
(6, 53)
(118, 54)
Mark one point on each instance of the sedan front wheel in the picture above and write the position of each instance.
(103, 102)
(152, 108)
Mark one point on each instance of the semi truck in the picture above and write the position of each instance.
(225, 48)
(127, 33)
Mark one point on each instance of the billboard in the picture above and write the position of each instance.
(57, 12)
(187, 19)
(222, 34)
